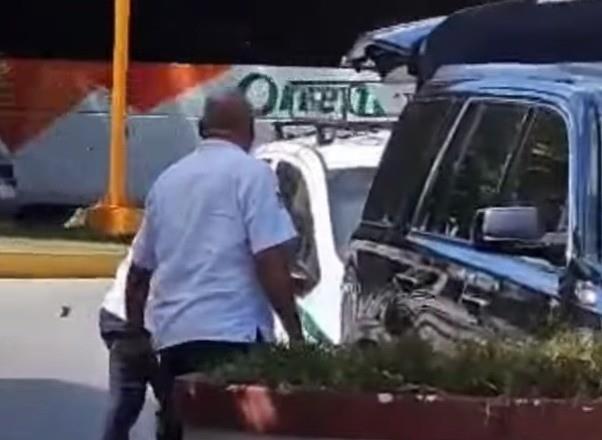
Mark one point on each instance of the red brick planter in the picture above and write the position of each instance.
(323, 414)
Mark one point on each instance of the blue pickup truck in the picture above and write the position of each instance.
(485, 214)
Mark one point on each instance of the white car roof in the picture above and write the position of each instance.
(353, 151)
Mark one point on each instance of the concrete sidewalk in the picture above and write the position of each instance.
(47, 258)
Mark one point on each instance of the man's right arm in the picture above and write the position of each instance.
(274, 274)
(136, 296)
(140, 272)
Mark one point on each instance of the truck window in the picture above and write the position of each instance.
(540, 175)
(502, 155)
(472, 169)
(406, 162)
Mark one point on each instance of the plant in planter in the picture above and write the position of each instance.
(565, 365)
(396, 391)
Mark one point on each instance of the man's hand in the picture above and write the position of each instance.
(134, 347)
(274, 275)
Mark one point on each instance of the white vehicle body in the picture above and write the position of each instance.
(336, 178)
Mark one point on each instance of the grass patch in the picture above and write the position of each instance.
(563, 366)
(49, 231)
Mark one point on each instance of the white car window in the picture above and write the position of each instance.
(295, 196)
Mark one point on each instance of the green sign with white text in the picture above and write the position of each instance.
(316, 99)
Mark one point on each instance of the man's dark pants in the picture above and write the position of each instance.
(129, 374)
(188, 358)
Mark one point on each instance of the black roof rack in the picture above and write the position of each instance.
(327, 131)
(332, 100)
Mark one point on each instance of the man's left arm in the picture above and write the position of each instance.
(139, 276)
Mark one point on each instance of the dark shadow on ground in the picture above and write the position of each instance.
(32, 409)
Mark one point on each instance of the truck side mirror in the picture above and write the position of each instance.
(506, 225)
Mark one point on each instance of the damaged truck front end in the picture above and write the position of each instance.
(484, 216)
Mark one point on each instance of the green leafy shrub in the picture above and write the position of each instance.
(565, 365)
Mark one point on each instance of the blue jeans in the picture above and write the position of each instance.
(128, 379)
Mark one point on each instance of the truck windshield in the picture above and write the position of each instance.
(347, 192)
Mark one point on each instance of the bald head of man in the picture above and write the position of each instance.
(228, 115)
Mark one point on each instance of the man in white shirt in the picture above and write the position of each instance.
(132, 361)
(213, 250)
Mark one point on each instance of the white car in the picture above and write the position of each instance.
(324, 187)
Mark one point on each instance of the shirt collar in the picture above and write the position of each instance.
(216, 142)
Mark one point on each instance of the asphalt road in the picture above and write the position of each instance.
(53, 366)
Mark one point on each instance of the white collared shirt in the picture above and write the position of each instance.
(206, 217)
(114, 301)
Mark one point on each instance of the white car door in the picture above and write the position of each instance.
(303, 187)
